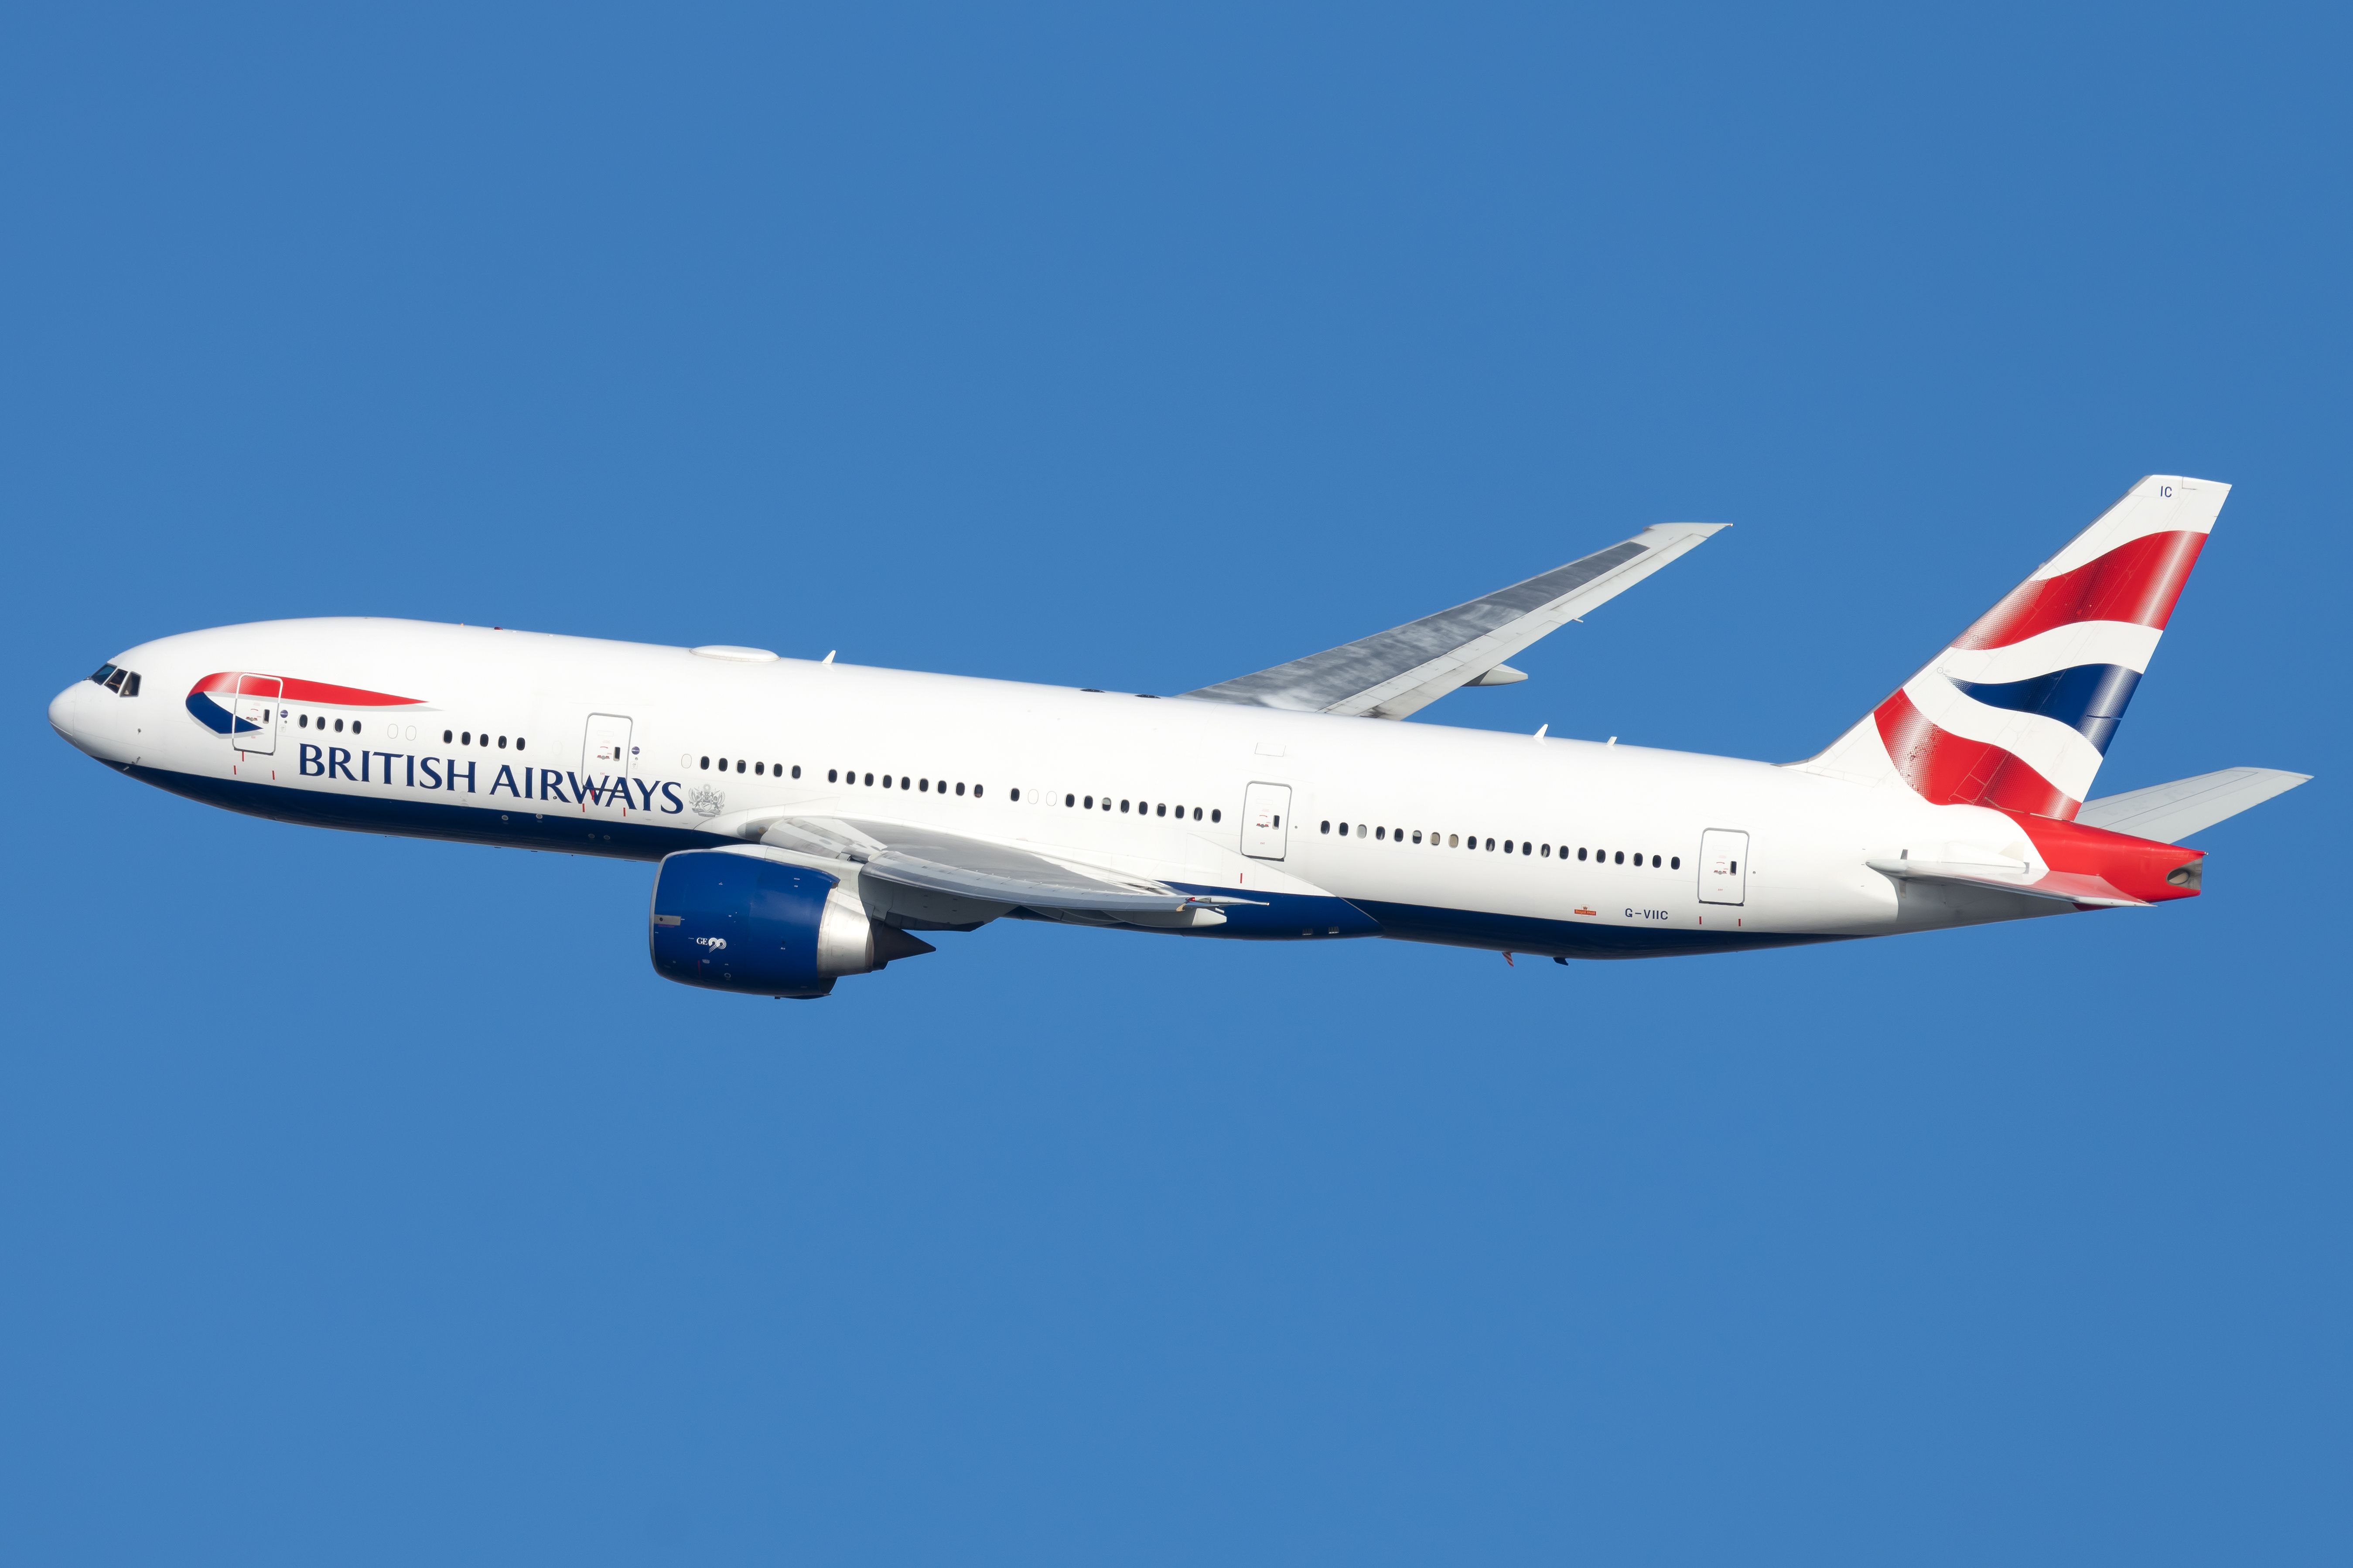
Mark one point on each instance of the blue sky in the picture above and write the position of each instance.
(367, 1201)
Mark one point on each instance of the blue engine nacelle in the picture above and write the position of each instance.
(735, 921)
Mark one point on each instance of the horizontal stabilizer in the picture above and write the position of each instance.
(2169, 812)
(2082, 890)
(1396, 673)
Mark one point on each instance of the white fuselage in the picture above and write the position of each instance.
(538, 710)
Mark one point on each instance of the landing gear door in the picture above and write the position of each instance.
(253, 714)
(1722, 867)
(1266, 812)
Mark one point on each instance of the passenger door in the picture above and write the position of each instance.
(606, 753)
(1265, 810)
(1722, 867)
(253, 714)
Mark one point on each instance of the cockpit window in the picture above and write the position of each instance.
(114, 681)
(120, 681)
(98, 677)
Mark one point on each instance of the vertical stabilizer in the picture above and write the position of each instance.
(2017, 713)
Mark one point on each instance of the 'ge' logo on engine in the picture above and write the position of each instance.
(714, 943)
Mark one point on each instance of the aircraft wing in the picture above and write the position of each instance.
(980, 871)
(1396, 673)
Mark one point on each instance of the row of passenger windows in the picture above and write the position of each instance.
(899, 781)
(762, 769)
(115, 678)
(1141, 808)
(1510, 846)
(448, 737)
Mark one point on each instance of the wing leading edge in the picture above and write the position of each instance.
(1396, 673)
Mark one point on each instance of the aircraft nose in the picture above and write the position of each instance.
(62, 711)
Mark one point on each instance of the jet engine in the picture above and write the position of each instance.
(737, 922)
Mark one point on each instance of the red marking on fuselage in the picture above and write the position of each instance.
(320, 692)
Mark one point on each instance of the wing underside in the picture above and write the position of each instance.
(978, 871)
(1396, 673)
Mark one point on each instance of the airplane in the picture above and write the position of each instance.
(809, 817)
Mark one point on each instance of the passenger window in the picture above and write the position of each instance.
(959, 786)
(1216, 816)
(923, 787)
(1450, 841)
(886, 781)
(445, 738)
(1621, 858)
(519, 746)
(797, 767)
(1379, 833)
(975, 792)
(869, 781)
(1546, 851)
(1122, 808)
(1676, 864)
(1417, 835)
(1507, 846)
(1162, 809)
(1491, 847)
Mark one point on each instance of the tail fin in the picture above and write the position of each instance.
(2017, 713)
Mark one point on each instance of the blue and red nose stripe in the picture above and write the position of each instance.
(205, 704)
(2088, 698)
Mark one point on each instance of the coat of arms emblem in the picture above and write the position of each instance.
(704, 801)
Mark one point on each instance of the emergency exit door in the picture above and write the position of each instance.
(1722, 867)
(1266, 811)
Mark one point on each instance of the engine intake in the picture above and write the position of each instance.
(735, 921)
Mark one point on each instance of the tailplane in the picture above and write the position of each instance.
(2017, 713)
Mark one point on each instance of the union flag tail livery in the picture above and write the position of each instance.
(809, 817)
(2017, 713)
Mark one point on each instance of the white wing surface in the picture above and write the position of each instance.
(2169, 812)
(1396, 673)
(978, 871)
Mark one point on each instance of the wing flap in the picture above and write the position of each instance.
(1396, 673)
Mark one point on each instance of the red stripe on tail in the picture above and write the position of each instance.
(1945, 769)
(2136, 582)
